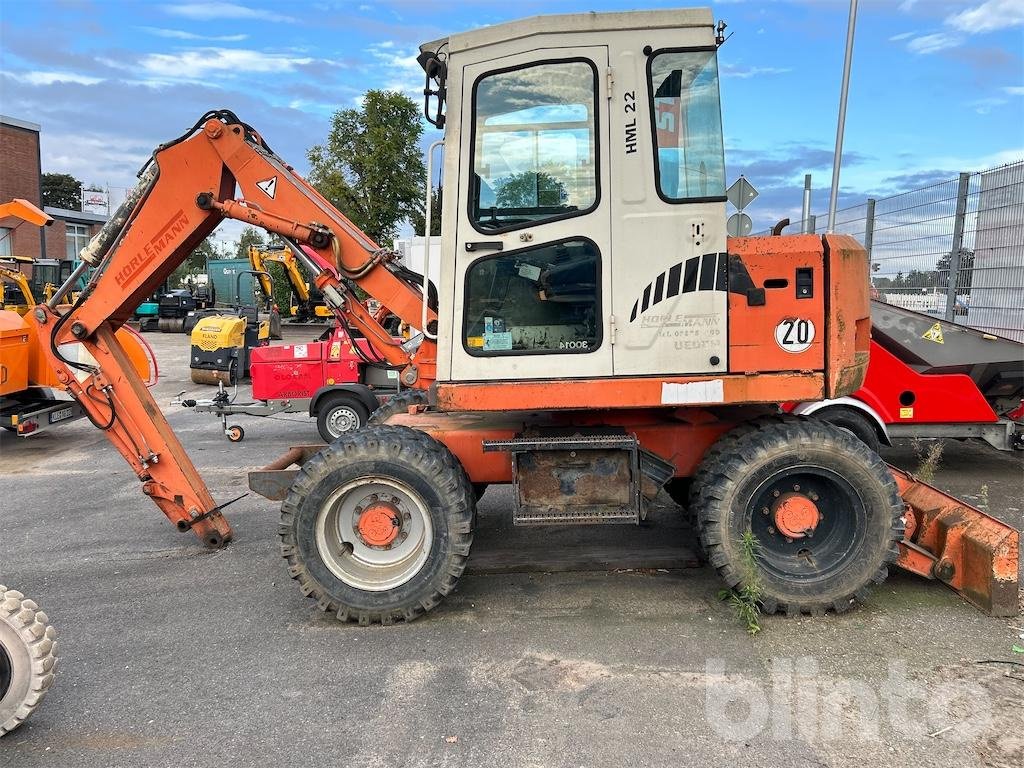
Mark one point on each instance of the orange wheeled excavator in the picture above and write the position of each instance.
(596, 338)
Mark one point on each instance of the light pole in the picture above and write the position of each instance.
(834, 199)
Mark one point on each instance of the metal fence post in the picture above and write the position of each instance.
(869, 227)
(958, 240)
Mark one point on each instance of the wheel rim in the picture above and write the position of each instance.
(356, 543)
(5, 672)
(806, 520)
(342, 419)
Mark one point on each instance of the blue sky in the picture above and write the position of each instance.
(938, 86)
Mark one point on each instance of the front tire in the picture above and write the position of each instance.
(853, 421)
(824, 511)
(377, 526)
(396, 404)
(28, 657)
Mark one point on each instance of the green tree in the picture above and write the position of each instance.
(529, 189)
(371, 166)
(250, 236)
(61, 190)
(196, 262)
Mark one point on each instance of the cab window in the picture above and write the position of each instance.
(534, 301)
(534, 145)
(687, 125)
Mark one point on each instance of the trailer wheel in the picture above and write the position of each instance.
(823, 508)
(853, 421)
(338, 414)
(28, 656)
(399, 403)
(377, 526)
(235, 433)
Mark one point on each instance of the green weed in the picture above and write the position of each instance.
(745, 600)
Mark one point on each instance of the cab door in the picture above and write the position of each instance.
(533, 234)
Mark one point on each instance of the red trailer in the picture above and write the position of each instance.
(337, 379)
(932, 378)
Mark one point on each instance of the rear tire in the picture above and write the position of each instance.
(28, 658)
(339, 414)
(399, 403)
(822, 468)
(431, 508)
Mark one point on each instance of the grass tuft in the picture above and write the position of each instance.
(745, 600)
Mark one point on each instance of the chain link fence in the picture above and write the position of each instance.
(954, 249)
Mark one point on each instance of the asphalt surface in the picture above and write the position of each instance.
(171, 655)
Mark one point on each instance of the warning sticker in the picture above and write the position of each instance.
(268, 186)
(906, 413)
(934, 334)
(301, 350)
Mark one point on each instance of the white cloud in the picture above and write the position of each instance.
(984, 106)
(218, 10)
(990, 16)
(901, 36)
(1014, 90)
(203, 61)
(401, 68)
(49, 78)
(742, 72)
(178, 34)
(934, 43)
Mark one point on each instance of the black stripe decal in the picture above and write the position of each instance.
(722, 280)
(690, 280)
(647, 298)
(636, 308)
(659, 288)
(707, 271)
(673, 280)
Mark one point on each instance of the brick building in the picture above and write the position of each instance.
(20, 172)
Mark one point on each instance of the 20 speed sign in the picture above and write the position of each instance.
(794, 334)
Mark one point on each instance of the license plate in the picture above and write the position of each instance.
(61, 415)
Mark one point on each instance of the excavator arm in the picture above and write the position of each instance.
(220, 169)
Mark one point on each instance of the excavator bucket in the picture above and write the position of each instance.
(957, 544)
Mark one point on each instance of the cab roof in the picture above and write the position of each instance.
(559, 24)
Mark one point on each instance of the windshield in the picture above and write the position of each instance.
(687, 119)
(535, 146)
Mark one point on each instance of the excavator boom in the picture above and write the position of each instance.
(220, 169)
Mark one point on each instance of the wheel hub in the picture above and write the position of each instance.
(379, 525)
(342, 419)
(795, 515)
(374, 533)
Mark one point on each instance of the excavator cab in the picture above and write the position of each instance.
(586, 232)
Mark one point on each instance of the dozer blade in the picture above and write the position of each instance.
(963, 547)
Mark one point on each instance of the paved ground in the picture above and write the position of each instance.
(173, 656)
